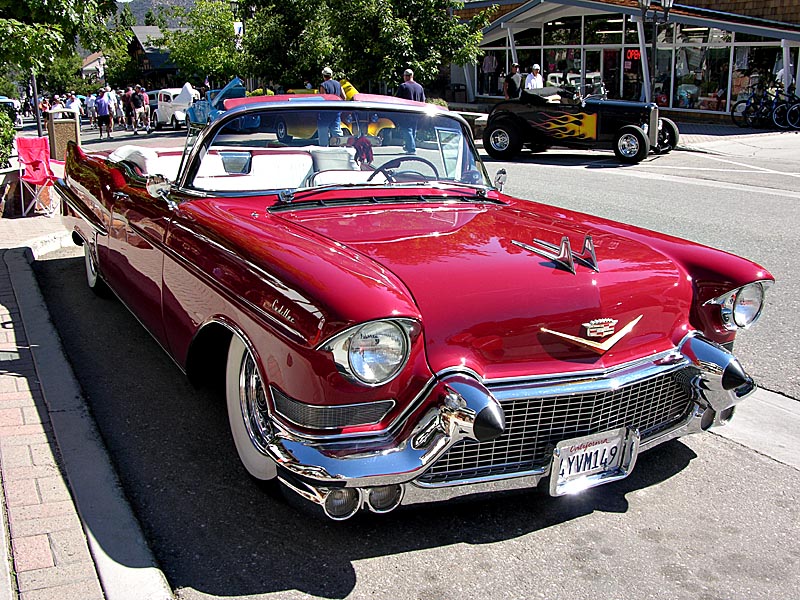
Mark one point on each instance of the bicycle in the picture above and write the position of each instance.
(755, 110)
(780, 114)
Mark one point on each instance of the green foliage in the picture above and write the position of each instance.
(7, 134)
(261, 92)
(437, 102)
(62, 75)
(288, 41)
(206, 44)
(33, 32)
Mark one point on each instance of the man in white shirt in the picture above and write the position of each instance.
(534, 79)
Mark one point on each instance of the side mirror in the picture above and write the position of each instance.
(500, 179)
(158, 186)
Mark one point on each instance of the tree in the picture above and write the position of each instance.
(206, 45)
(34, 32)
(287, 41)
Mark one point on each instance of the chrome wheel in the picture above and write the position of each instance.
(628, 145)
(499, 140)
(248, 411)
(631, 144)
(253, 400)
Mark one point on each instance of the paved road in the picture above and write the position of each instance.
(704, 517)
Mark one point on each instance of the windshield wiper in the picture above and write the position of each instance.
(294, 196)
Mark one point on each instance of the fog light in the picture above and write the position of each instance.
(384, 498)
(342, 503)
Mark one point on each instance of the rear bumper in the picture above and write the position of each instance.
(711, 379)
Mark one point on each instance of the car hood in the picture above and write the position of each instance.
(486, 301)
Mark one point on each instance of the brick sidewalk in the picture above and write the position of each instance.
(50, 554)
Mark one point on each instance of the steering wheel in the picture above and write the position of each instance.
(399, 161)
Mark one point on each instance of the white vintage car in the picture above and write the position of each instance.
(172, 105)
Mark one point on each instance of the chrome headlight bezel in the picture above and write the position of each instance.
(342, 347)
(742, 307)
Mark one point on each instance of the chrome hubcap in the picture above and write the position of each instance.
(499, 139)
(628, 145)
(253, 399)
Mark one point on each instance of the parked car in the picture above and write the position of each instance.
(152, 103)
(208, 108)
(554, 116)
(12, 108)
(390, 328)
(172, 106)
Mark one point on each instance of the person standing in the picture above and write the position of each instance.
(137, 105)
(513, 83)
(329, 124)
(410, 90)
(534, 79)
(126, 107)
(488, 69)
(91, 110)
(104, 113)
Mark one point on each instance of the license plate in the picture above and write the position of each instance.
(585, 462)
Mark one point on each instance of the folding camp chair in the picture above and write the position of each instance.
(36, 175)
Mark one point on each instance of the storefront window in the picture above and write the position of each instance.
(603, 30)
(754, 66)
(562, 65)
(701, 77)
(564, 32)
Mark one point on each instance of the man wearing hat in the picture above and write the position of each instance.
(410, 90)
(513, 83)
(329, 124)
(534, 79)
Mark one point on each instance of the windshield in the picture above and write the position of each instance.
(314, 146)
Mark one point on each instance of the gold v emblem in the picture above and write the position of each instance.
(598, 347)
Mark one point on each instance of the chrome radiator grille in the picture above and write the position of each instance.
(535, 425)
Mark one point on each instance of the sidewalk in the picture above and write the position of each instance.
(70, 531)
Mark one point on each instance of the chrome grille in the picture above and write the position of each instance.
(535, 425)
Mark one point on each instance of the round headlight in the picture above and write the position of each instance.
(377, 351)
(747, 305)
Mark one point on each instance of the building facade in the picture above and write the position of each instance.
(691, 59)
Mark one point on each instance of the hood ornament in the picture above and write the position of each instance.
(563, 255)
(597, 330)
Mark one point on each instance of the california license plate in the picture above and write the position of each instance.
(585, 462)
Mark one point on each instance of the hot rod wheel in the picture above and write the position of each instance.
(502, 140)
(631, 144)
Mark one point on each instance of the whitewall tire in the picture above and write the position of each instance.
(245, 394)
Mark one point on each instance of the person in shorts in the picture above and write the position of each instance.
(138, 107)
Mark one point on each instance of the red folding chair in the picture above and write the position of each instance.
(36, 175)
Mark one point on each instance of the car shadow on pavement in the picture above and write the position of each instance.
(212, 528)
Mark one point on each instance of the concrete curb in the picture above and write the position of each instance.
(124, 562)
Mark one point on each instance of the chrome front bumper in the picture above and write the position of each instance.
(465, 408)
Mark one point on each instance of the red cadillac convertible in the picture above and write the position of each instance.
(389, 326)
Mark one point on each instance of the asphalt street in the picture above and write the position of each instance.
(703, 517)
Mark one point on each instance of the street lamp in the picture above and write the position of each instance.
(644, 6)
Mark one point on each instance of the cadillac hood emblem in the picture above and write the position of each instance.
(597, 328)
(600, 328)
